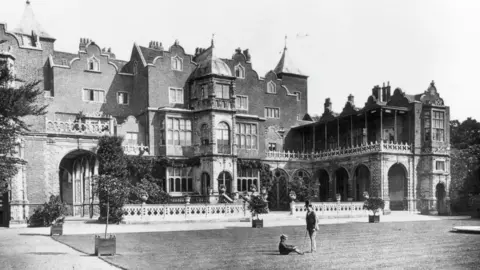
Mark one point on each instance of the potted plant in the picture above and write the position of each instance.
(374, 204)
(210, 191)
(257, 205)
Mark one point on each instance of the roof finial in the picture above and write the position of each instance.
(213, 39)
(285, 42)
(28, 2)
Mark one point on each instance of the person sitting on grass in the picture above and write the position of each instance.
(286, 249)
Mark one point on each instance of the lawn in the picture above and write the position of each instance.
(414, 245)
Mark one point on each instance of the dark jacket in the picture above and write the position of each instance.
(284, 248)
(312, 222)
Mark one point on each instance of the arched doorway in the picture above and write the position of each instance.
(397, 187)
(341, 183)
(225, 178)
(362, 182)
(323, 185)
(440, 195)
(205, 183)
(76, 171)
(278, 195)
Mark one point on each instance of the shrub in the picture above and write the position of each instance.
(151, 186)
(374, 204)
(257, 205)
(113, 193)
(49, 212)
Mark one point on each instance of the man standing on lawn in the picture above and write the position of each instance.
(312, 226)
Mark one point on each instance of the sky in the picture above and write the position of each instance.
(344, 46)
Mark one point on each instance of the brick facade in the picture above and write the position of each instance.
(82, 90)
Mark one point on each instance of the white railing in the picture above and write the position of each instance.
(73, 127)
(332, 209)
(164, 212)
(372, 147)
(130, 149)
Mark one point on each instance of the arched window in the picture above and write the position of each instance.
(223, 138)
(93, 64)
(135, 67)
(271, 88)
(204, 135)
(239, 71)
(177, 63)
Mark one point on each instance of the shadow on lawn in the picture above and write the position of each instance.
(47, 253)
(34, 234)
(464, 232)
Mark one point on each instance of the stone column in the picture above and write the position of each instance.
(350, 188)
(332, 186)
(18, 215)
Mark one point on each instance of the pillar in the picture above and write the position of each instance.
(350, 183)
(18, 199)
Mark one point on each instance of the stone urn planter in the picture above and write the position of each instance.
(257, 223)
(338, 197)
(222, 189)
(187, 199)
(105, 246)
(144, 198)
(293, 197)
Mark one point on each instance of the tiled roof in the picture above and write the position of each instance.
(150, 54)
(58, 57)
(285, 65)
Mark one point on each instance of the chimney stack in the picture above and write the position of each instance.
(327, 105)
(83, 43)
(351, 99)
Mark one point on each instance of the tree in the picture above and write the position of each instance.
(16, 102)
(112, 185)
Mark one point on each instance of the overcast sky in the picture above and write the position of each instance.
(346, 46)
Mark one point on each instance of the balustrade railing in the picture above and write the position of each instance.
(75, 127)
(215, 103)
(130, 149)
(332, 209)
(372, 147)
(165, 212)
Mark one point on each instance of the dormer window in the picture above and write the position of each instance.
(93, 64)
(271, 88)
(239, 71)
(177, 63)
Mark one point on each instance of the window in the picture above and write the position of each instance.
(222, 91)
(239, 71)
(122, 98)
(438, 126)
(93, 64)
(440, 165)
(272, 112)
(204, 135)
(180, 179)
(223, 138)
(426, 125)
(135, 67)
(131, 138)
(162, 132)
(179, 131)
(241, 103)
(298, 95)
(272, 147)
(177, 63)
(246, 136)
(203, 92)
(175, 95)
(271, 88)
(245, 178)
(94, 95)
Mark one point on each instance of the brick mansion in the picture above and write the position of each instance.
(167, 102)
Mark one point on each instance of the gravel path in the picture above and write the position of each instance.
(20, 250)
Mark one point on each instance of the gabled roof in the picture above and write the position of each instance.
(29, 25)
(286, 65)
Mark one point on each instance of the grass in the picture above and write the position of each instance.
(414, 245)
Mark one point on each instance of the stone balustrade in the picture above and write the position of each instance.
(372, 147)
(78, 128)
(137, 149)
(215, 103)
(175, 212)
(332, 209)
